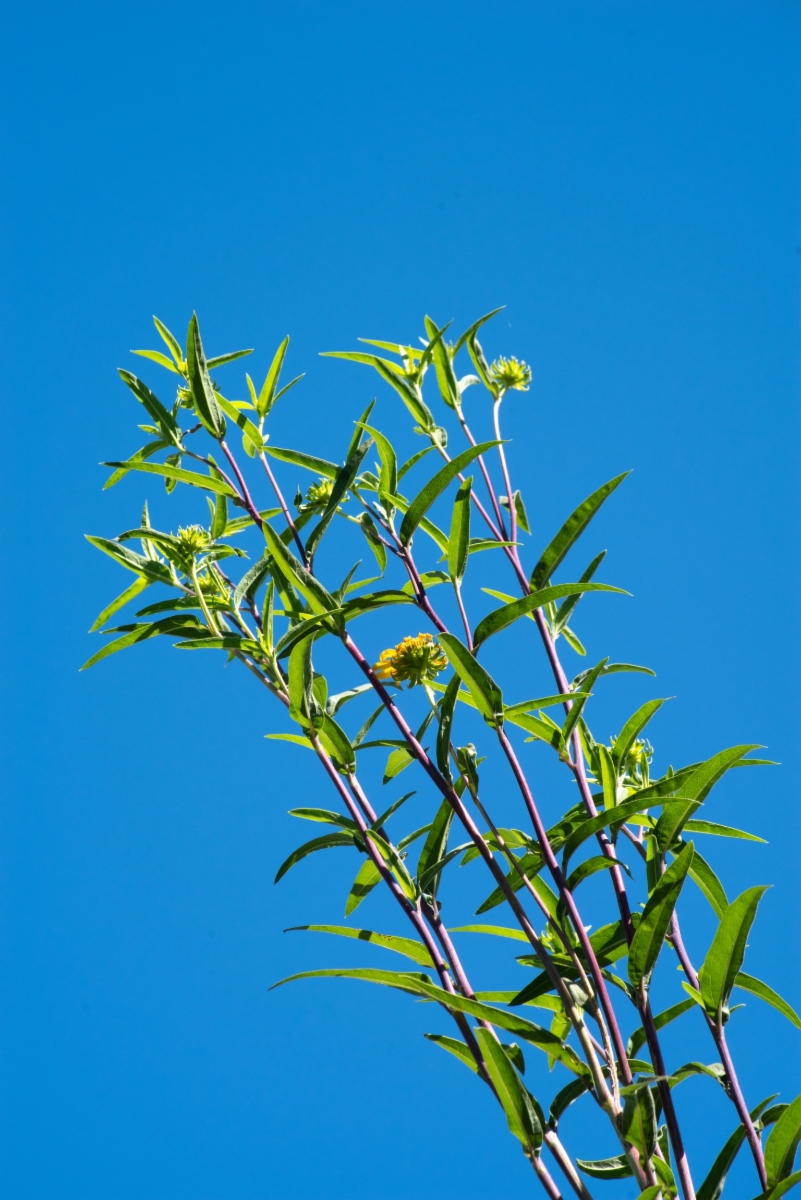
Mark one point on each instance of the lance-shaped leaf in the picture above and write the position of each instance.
(336, 742)
(327, 842)
(435, 847)
(394, 375)
(725, 956)
(564, 1098)
(374, 541)
(207, 482)
(459, 539)
(482, 687)
(366, 879)
(646, 798)
(605, 1168)
(168, 426)
(655, 919)
(388, 477)
(133, 634)
(694, 788)
(342, 483)
(251, 434)
(303, 706)
(577, 705)
(638, 1120)
(716, 830)
(637, 1039)
(409, 947)
(712, 1186)
(171, 342)
(781, 1146)
(443, 365)
(250, 581)
(200, 385)
(455, 1047)
(309, 462)
(520, 1115)
(757, 988)
(502, 617)
(632, 730)
(436, 486)
(571, 531)
(124, 598)
(566, 608)
(702, 874)
(310, 588)
(446, 711)
(266, 397)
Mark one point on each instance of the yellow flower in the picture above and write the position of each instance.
(194, 538)
(319, 494)
(415, 659)
(511, 374)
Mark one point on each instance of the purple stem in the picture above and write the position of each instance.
(284, 509)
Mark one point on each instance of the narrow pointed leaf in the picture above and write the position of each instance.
(483, 688)
(410, 948)
(436, 486)
(501, 618)
(571, 531)
(725, 956)
(756, 987)
(782, 1144)
(656, 916)
(327, 842)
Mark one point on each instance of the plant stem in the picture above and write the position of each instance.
(496, 409)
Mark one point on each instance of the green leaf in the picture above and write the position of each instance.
(395, 377)
(459, 539)
(655, 919)
(577, 705)
(373, 537)
(521, 515)
(203, 395)
(220, 360)
(566, 608)
(502, 617)
(702, 874)
(319, 466)
(319, 600)
(325, 816)
(435, 846)
(409, 947)
(646, 798)
(779, 1189)
(412, 462)
(632, 730)
(638, 1039)
(757, 988)
(398, 761)
(208, 482)
(157, 357)
(303, 706)
(638, 1120)
(436, 486)
(725, 956)
(249, 430)
(564, 1098)
(484, 690)
(446, 710)
(503, 931)
(443, 365)
(605, 1168)
(520, 1115)
(404, 981)
(327, 842)
(267, 395)
(168, 426)
(251, 580)
(124, 598)
(172, 626)
(571, 531)
(592, 866)
(721, 831)
(366, 879)
(337, 743)
(171, 342)
(296, 738)
(712, 1186)
(343, 481)
(455, 1047)
(782, 1144)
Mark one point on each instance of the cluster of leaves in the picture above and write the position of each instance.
(274, 615)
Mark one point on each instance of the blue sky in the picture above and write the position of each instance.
(624, 177)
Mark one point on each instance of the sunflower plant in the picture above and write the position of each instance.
(439, 711)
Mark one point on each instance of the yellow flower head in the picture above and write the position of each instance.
(319, 493)
(415, 660)
(194, 538)
(511, 374)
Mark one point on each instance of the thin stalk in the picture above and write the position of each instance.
(563, 1159)
(284, 509)
(463, 614)
(545, 1178)
(496, 409)
(487, 480)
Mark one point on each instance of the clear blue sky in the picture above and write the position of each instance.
(625, 178)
